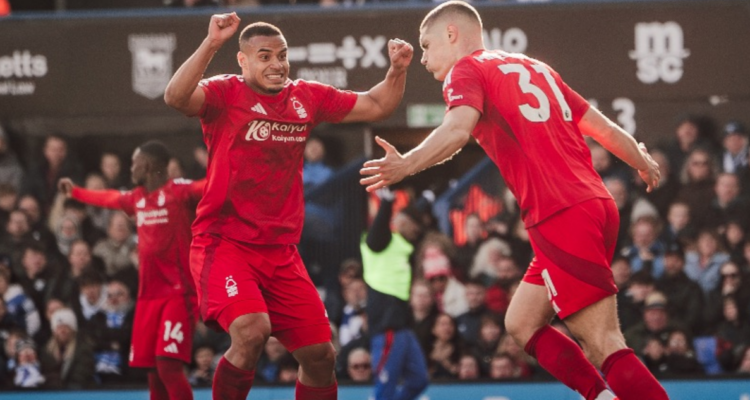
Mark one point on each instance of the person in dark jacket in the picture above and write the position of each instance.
(67, 359)
(684, 296)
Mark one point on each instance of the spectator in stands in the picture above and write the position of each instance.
(115, 249)
(55, 164)
(735, 153)
(288, 369)
(9, 355)
(97, 216)
(654, 356)
(621, 272)
(486, 262)
(110, 166)
(27, 369)
(681, 359)
(702, 265)
(444, 352)
(45, 333)
(204, 336)
(669, 185)
(355, 296)
(503, 366)
(647, 251)
(733, 283)
(42, 279)
(684, 296)
(359, 366)
(315, 171)
(691, 132)
(18, 307)
(203, 373)
(679, 231)
(469, 323)
(349, 270)
(656, 322)
(499, 293)
(698, 178)
(175, 168)
(490, 331)
(13, 240)
(89, 306)
(7, 325)
(424, 312)
(112, 348)
(727, 205)
(449, 293)
(8, 201)
(37, 225)
(733, 333)
(435, 245)
(67, 233)
(475, 234)
(605, 165)
(734, 238)
(268, 364)
(524, 363)
(11, 171)
(78, 211)
(80, 258)
(67, 359)
(619, 190)
(630, 300)
(468, 368)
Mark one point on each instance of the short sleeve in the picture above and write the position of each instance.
(463, 86)
(127, 202)
(215, 89)
(578, 105)
(333, 104)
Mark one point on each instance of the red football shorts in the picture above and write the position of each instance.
(162, 328)
(235, 279)
(574, 249)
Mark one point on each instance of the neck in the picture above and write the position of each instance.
(154, 182)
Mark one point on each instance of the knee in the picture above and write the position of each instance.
(519, 329)
(249, 336)
(319, 358)
(598, 347)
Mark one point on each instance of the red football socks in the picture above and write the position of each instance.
(316, 393)
(630, 379)
(564, 359)
(156, 388)
(172, 376)
(230, 382)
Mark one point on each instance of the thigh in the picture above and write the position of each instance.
(528, 311)
(573, 253)
(298, 317)
(228, 277)
(597, 329)
(175, 334)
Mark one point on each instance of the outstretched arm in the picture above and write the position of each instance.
(99, 198)
(183, 93)
(445, 141)
(621, 144)
(380, 101)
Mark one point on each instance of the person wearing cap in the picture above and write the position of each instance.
(386, 259)
(656, 322)
(67, 359)
(727, 204)
(735, 155)
(27, 373)
(685, 298)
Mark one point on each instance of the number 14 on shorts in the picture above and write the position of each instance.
(171, 332)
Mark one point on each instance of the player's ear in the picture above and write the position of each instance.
(241, 59)
(452, 32)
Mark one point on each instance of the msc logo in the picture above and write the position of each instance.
(260, 130)
(659, 50)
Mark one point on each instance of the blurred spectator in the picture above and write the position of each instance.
(669, 185)
(80, 258)
(469, 323)
(359, 366)
(7, 324)
(444, 352)
(115, 249)
(217, 340)
(355, 296)
(475, 234)
(703, 264)
(523, 363)
(89, 306)
(691, 132)
(485, 266)
(9, 355)
(288, 369)
(654, 356)
(684, 296)
(449, 293)
(735, 239)
(79, 212)
(203, 373)
(46, 332)
(27, 371)
(175, 168)
(605, 165)
(621, 272)
(333, 300)
(424, 312)
(733, 334)
(42, 280)
(8, 200)
(112, 348)
(619, 191)
(315, 171)
(656, 322)
(11, 171)
(646, 252)
(735, 153)
(55, 163)
(502, 366)
(698, 177)
(268, 365)
(110, 166)
(13, 240)
(38, 228)
(733, 283)
(490, 331)
(679, 231)
(499, 293)
(67, 359)
(67, 233)
(726, 204)
(18, 307)
(98, 216)
(631, 298)
(197, 169)
(468, 368)
(681, 358)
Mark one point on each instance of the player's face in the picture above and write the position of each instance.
(264, 63)
(139, 168)
(435, 46)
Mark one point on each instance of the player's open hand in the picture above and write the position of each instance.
(651, 175)
(222, 27)
(392, 168)
(65, 186)
(400, 53)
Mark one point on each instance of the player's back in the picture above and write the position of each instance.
(529, 128)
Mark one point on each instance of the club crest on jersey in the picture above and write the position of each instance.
(301, 112)
(161, 200)
(231, 286)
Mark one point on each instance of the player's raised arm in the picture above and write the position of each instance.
(621, 144)
(380, 101)
(183, 93)
(445, 141)
(99, 198)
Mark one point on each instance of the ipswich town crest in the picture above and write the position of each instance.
(152, 62)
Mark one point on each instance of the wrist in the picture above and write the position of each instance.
(213, 44)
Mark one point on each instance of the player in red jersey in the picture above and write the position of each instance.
(532, 124)
(250, 278)
(166, 306)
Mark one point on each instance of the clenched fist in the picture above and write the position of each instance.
(400, 53)
(222, 27)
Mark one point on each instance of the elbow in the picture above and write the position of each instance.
(171, 99)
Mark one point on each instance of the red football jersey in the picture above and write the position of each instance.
(255, 144)
(528, 127)
(163, 219)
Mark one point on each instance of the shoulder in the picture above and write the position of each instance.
(224, 81)
(180, 182)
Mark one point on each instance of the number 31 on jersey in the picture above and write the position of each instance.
(541, 113)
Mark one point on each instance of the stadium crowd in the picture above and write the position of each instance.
(69, 273)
